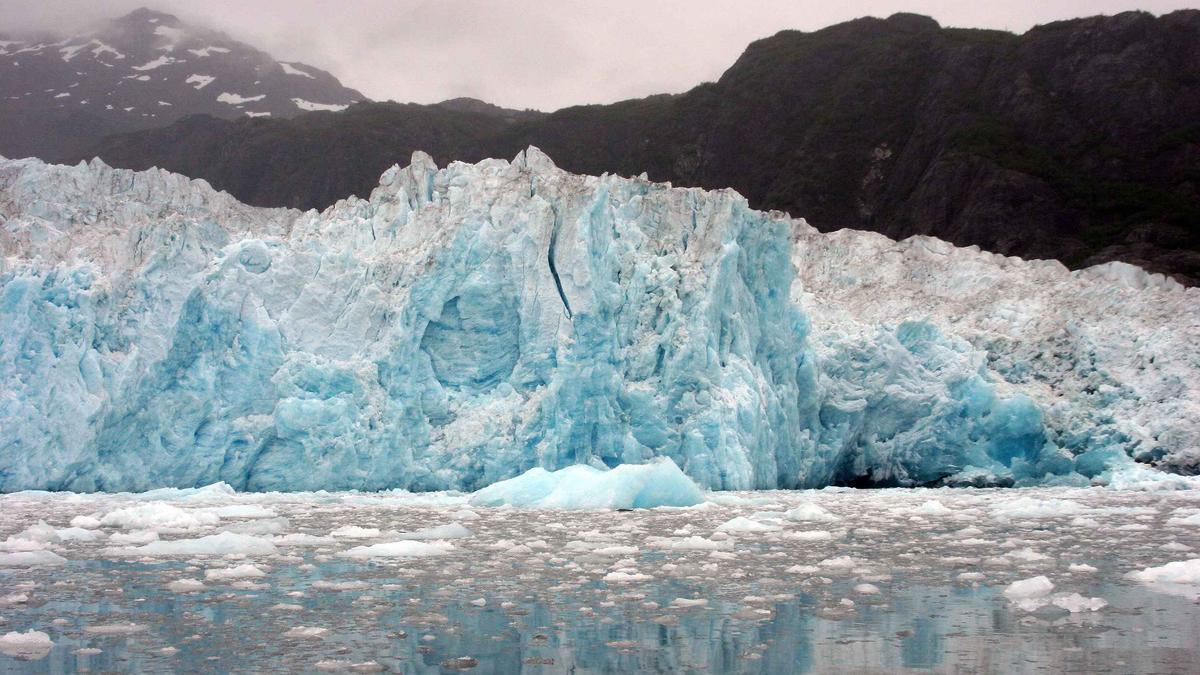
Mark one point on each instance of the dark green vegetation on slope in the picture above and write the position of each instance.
(1079, 140)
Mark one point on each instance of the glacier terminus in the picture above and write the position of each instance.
(464, 325)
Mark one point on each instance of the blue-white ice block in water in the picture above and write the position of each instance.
(656, 483)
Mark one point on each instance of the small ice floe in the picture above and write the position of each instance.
(302, 539)
(1075, 603)
(28, 646)
(1192, 520)
(931, 507)
(323, 585)
(612, 551)
(85, 522)
(657, 483)
(400, 549)
(809, 513)
(809, 535)
(306, 632)
(742, 524)
(128, 628)
(246, 571)
(1029, 594)
(78, 534)
(1029, 508)
(355, 532)
(692, 543)
(158, 516)
(451, 531)
(843, 562)
(224, 543)
(1174, 578)
(31, 559)
(621, 577)
(186, 586)
(134, 538)
(240, 511)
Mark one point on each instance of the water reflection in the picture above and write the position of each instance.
(884, 581)
(412, 626)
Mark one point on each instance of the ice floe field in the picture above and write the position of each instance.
(835, 580)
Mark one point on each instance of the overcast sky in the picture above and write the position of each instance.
(542, 54)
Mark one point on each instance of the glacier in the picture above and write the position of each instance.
(467, 324)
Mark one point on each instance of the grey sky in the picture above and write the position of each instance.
(542, 54)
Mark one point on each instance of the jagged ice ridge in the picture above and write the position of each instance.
(464, 325)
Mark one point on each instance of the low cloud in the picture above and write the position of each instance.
(532, 53)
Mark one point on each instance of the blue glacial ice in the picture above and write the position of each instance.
(656, 483)
(465, 325)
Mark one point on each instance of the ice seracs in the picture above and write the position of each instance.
(466, 325)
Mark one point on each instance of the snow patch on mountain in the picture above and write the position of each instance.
(158, 62)
(208, 51)
(238, 99)
(293, 70)
(199, 81)
(309, 105)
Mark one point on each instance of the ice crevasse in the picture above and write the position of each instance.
(464, 325)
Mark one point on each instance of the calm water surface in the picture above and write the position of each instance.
(883, 582)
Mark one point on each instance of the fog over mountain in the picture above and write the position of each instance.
(145, 69)
(532, 54)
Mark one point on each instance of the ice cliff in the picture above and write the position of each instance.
(464, 325)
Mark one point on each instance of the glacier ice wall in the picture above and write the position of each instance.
(464, 325)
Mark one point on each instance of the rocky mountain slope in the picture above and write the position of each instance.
(1076, 141)
(145, 69)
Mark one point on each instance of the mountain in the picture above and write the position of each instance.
(145, 69)
(1076, 141)
(466, 324)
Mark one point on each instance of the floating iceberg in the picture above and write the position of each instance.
(628, 486)
(399, 549)
(28, 646)
(466, 325)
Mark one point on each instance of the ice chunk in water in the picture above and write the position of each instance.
(1075, 603)
(225, 543)
(1181, 572)
(744, 524)
(28, 646)
(399, 549)
(810, 513)
(628, 486)
(31, 559)
(451, 531)
(1029, 594)
(246, 571)
(158, 516)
